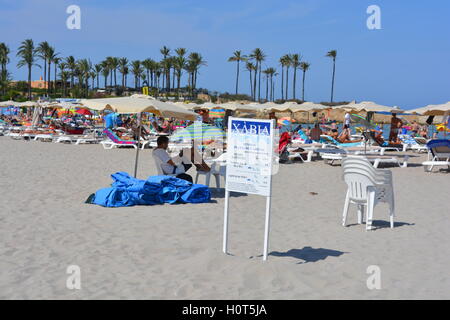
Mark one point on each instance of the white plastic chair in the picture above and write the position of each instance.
(367, 187)
(218, 169)
(159, 169)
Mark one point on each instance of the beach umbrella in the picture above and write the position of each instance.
(84, 112)
(28, 104)
(433, 109)
(138, 104)
(362, 121)
(368, 106)
(128, 105)
(9, 103)
(217, 113)
(198, 131)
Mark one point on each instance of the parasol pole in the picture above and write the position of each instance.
(137, 149)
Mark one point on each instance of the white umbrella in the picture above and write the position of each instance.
(28, 104)
(433, 109)
(368, 106)
(139, 104)
(9, 103)
(129, 105)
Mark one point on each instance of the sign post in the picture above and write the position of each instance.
(249, 166)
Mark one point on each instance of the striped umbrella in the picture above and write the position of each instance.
(198, 131)
(217, 113)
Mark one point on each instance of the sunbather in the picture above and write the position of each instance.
(345, 136)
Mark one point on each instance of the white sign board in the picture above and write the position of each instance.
(249, 156)
(250, 150)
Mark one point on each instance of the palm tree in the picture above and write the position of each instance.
(295, 62)
(250, 67)
(27, 57)
(114, 64)
(4, 60)
(165, 51)
(123, 64)
(332, 54)
(238, 57)
(56, 61)
(271, 72)
(136, 70)
(266, 73)
(148, 64)
(259, 56)
(64, 77)
(51, 56)
(71, 64)
(84, 67)
(304, 66)
(42, 52)
(97, 70)
(287, 60)
(195, 60)
(282, 63)
(179, 63)
(105, 71)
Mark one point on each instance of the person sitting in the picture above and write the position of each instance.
(345, 136)
(168, 166)
(334, 134)
(315, 132)
(423, 132)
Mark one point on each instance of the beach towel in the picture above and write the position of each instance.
(128, 191)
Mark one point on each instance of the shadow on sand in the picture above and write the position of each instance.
(382, 224)
(308, 254)
(220, 193)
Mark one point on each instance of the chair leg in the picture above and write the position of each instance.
(345, 212)
(360, 213)
(208, 178)
(217, 181)
(392, 211)
(196, 178)
(369, 210)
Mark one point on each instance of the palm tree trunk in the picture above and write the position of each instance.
(282, 83)
(287, 82)
(45, 74)
(303, 86)
(295, 80)
(48, 75)
(259, 83)
(251, 85)
(237, 77)
(29, 82)
(56, 71)
(254, 82)
(267, 87)
(332, 81)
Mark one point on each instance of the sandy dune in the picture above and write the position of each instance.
(174, 251)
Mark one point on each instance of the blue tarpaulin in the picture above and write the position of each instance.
(127, 191)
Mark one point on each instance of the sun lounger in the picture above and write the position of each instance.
(114, 141)
(409, 143)
(439, 152)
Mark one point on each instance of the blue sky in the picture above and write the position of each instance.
(406, 63)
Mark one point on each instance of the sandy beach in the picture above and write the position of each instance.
(175, 251)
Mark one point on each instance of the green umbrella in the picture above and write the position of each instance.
(198, 131)
(362, 121)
